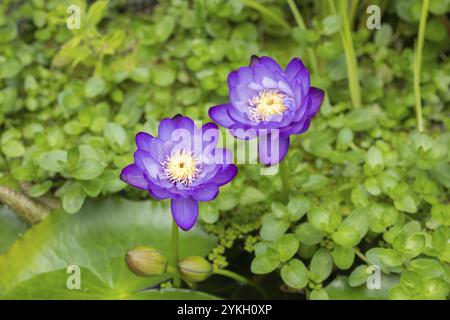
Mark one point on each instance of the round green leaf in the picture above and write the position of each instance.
(427, 267)
(94, 86)
(343, 257)
(358, 276)
(73, 198)
(273, 227)
(318, 295)
(318, 217)
(411, 246)
(287, 246)
(264, 263)
(116, 136)
(53, 161)
(294, 274)
(383, 257)
(88, 169)
(13, 148)
(297, 207)
(308, 234)
(346, 236)
(321, 265)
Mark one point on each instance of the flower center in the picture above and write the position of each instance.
(181, 166)
(267, 103)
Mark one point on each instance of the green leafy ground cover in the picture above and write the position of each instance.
(365, 188)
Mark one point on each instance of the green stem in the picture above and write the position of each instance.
(312, 56)
(296, 13)
(241, 279)
(418, 64)
(24, 206)
(284, 173)
(267, 12)
(350, 57)
(361, 256)
(301, 23)
(353, 8)
(175, 254)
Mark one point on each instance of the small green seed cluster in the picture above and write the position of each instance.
(235, 225)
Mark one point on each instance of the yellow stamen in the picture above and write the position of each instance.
(267, 103)
(181, 166)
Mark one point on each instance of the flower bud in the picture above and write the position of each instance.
(146, 261)
(195, 269)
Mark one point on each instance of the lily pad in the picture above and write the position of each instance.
(95, 241)
(11, 227)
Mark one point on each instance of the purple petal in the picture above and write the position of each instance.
(254, 60)
(232, 79)
(304, 127)
(255, 86)
(244, 75)
(296, 69)
(220, 115)
(227, 174)
(283, 86)
(206, 192)
(244, 92)
(133, 176)
(184, 123)
(210, 137)
(209, 126)
(145, 162)
(143, 141)
(156, 149)
(243, 133)
(271, 149)
(158, 193)
(222, 156)
(165, 129)
(270, 63)
(238, 115)
(184, 212)
(269, 83)
(262, 72)
(316, 100)
(300, 90)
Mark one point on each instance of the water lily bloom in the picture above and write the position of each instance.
(183, 163)
(269, 103)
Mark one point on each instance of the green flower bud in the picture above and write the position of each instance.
(146, 261)
(195, 269)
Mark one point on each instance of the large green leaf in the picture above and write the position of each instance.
(11, 227)
(93, 288)
(95, 239)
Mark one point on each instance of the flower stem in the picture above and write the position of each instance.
(418, 64)
(284, 173)
(301, 23)
(267, 12)
(312, 56)
(175, 254)
(350, 57)
(353, 8)
(241, 279)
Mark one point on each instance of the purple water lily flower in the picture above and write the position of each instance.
(269, 103)
(183, 164)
